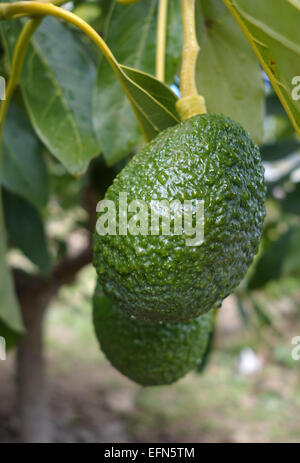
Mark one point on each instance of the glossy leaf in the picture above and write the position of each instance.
(291, 202)
(228, 73)
(174, 40)
(272, 28)
(24, 169)
(115, 123)
(269, 264)
(9, 307)
(11, 337)
(157, 90)
(153, 101)
(130, 41)
(57, 81)
(279, 150)
(25, 230)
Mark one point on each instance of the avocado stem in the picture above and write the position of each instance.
(161, 39)
(190, 103)
(17, 64)
(35, 8)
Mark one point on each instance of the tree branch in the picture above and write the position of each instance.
(43, 289)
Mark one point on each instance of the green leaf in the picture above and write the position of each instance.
(153, 101)
(130, 35)
(57, 81)
(228, 73)
(291, 202)
(279, 150)
(24, 169)
(9, 307)
(272, 28)
(153, 105)
(291, 263)
(11, 337)
(208, 351)
(242, 310)
(114, 120)
(157, 90)
(269, 265)
(174, 40)
(263, 316)
(25, 230)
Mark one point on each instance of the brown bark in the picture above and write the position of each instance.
(35, 294)
(34, 417)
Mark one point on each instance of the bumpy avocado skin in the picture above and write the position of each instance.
(149, 354)
(159, 278)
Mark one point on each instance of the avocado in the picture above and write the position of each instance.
(156, 278)
(149, 354)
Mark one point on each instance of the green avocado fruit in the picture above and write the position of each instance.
(149, 354)
(208, 157)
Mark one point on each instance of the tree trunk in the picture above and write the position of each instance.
(35, 294)
(35, 423)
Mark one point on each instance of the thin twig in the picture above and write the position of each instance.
(190, 50)
(161, 39)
